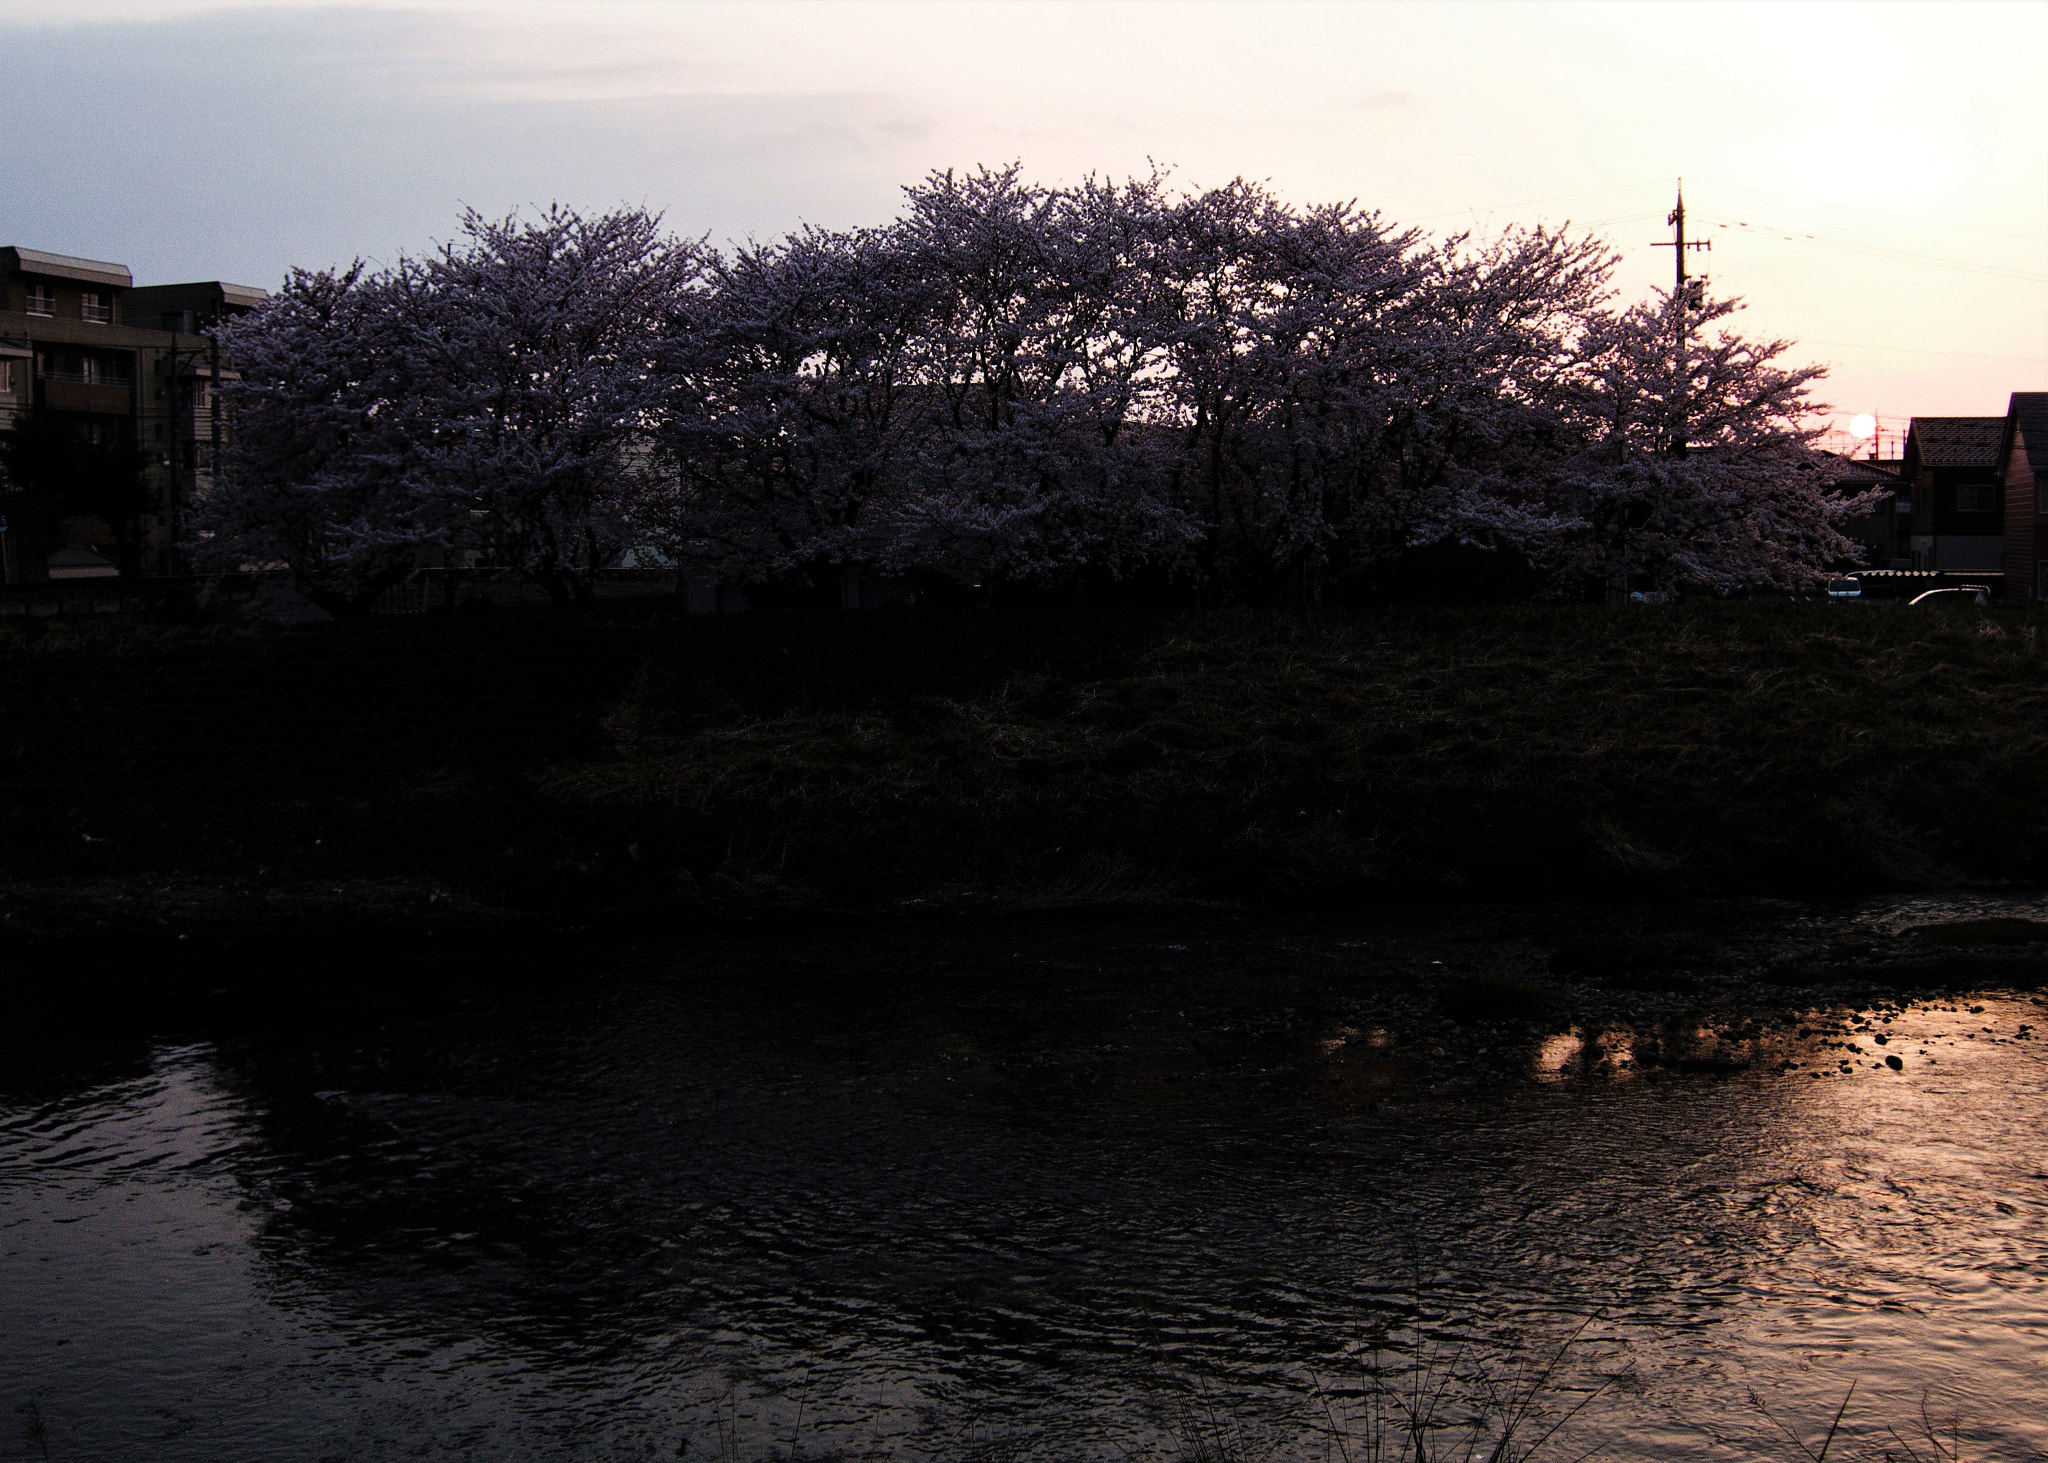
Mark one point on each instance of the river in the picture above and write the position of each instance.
(1061, 1189)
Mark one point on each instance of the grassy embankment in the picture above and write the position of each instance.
(647, 761)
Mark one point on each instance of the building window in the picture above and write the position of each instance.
(95, 371)
(1974, 498)
(41, 301)
(97, 308)
(6, 376)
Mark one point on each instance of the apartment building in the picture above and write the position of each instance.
(107, 406)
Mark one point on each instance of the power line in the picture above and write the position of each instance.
(1797, 236)
(1793, 235)
(2031, 238)
(1621, 218)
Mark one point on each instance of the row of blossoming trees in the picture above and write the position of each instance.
(1014, 383)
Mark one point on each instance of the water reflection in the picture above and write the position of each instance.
(920, 1204)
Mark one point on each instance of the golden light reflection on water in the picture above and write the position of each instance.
(1559, 1053)
(1904, 1205)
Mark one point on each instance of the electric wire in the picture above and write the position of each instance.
(1791, 235)
(2033, 237)
(1795, 236)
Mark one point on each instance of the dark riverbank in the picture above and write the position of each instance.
(1700, 985)
(498, 776)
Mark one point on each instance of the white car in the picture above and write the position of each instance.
(1955, 595)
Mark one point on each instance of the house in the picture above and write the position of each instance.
(1950, 472)
(1886, 532)
(2023, 465)
(106, 406)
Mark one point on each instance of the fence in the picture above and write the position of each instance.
(1905, 583)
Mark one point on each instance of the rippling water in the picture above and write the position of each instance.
(1072, 1200)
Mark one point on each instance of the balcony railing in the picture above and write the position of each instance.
(97, 314)
(70, 393)
(84, 378)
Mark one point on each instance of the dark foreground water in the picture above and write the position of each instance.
(1053, 1192)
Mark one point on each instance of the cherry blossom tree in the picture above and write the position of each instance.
(1031, 364)
(1696, 467)
(1259, 312)
(1467, 413)
(492, 399)
(789, 408)
(1347, 396)
(1023, 382)
(533, 345)
(947, 393)
(319, 474)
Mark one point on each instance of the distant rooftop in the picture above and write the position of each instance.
(1862, 470)
(66, 266)
(191, 293)
(116, 276)
(1957, 441)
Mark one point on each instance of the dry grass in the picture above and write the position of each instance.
(1233, 757)
(868, 760)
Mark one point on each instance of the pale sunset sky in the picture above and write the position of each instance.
(1874, 177)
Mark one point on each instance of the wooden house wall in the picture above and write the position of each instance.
(2022, 524)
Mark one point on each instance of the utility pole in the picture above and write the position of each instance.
(1681, 301)
(174, 508)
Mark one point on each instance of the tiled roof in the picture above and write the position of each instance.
(2030, 408)
(1957, 441)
